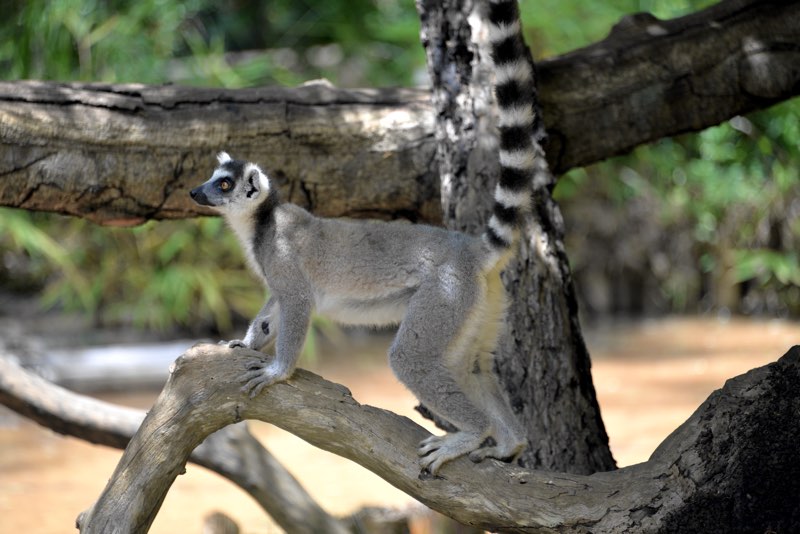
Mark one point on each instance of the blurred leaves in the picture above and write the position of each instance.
(230, 43)
(765, 264)
(157, 276)
(736, 188)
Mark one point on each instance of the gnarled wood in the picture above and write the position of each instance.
(733, 465)
(232, 452)
(121, 154)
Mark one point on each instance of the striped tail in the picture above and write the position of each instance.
(514, 92)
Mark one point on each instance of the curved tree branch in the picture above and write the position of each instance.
(121, 154)
(232, 452)
(733, 464)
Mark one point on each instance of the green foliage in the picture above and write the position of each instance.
(92, 39)
(735, 187)
(19, 232)
(765, 264)
(154, 276)
(233, 43)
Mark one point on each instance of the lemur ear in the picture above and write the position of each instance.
(222, 157)
(256, 182)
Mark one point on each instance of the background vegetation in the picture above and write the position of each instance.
(709, 221)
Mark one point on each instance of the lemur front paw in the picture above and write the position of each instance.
(260, 373)
(438, 450)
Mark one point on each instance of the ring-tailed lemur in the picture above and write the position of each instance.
(442, 287)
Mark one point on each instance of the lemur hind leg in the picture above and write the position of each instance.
(427, 356)
(485, 391)
(508, 434)
(435, 388)
(470, 359)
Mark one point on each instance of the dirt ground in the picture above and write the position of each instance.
(649, 376)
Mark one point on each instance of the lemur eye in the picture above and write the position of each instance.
(225, 185)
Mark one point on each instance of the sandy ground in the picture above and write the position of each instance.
(649, 377)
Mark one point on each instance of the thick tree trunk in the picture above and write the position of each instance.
(122, 154)
(542, 359)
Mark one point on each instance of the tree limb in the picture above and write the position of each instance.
(231, 452)
(733, 464)
(122, 154)
(651, 78)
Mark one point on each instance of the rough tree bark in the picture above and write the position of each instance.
(122, 154)
(542, 357)
(125, 154)
(731, 467)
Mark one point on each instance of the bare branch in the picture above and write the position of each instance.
(122, 154)
(126, 153)
(700, 470)
(232, 452)
(655, 78)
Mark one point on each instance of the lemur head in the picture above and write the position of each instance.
(235, 186)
